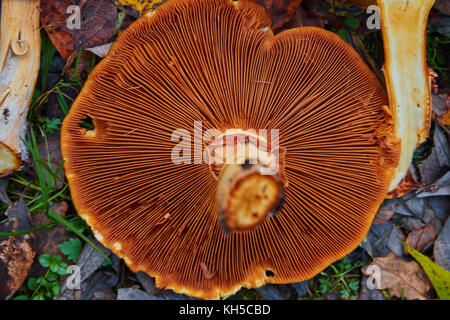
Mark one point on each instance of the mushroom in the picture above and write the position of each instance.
(19, 66)
(218, 62)
(408, 79)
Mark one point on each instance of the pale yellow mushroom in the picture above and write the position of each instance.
(19, 66)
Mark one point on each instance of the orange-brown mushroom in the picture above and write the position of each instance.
(217, 62)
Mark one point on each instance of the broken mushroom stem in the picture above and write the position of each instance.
(19, 66)
(251, 188)
(408, 79)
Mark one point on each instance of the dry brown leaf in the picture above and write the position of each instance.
(419, 238)
(280, 11)
(400, 278)
(97, 24)
(382, 216)
(16, 253)
(408, 184)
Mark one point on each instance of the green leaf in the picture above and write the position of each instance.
(71, 248)
(352, 21)
(342, 33)
(354, 285)
(52, 125)
(345, 294)
(32, 283)
(39, 296)
(62, 270)
(56, 289)
(44, 260)
(52, 276)
(439, 277)
(21, 297)
(79, 225)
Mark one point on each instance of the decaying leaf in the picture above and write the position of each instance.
(135, 294)
(97, 23)
(102, 50)
(440, 188)
(16, 252)
(400, 278)
(382, 216)
(47, 242)
(437, 164)
(420, 238)
(382, 239)
(408, 184)
(280, 11)
(88, 262)
(3, 185)
(439, 277)
(79, 65)
(439, 105)
(442, 247)
(137, 8)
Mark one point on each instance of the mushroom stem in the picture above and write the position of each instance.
(251, 186)
(246, 197)
(408, 79)
(19, 66)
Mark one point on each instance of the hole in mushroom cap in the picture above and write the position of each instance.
(92, 128)
(269, 273)
(87, 123)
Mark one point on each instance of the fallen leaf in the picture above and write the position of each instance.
(440, 188)
(420, 238)
(97, 24)
(439, 277)
(382, 239)
(148, 283)
(439, 104)
(88, 262)
(99, 286)
(440, 206)
(79, 65)
(441, 250)
(437, 164)
(369, 294)
(52, 147)
(400, 278)
(443, 6)
(102, 50)
(276, 292)
(16, 252)
(3, 185)
(47, 242)
(408, 183)
(301, 288)
(315, 13)
(383, 216)
(280, 11)
(136, 8)
(135, 294)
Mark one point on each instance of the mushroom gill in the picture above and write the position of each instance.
(217, 62)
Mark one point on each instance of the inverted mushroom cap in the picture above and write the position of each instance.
(215, 61)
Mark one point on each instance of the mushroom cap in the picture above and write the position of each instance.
(215, 61)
